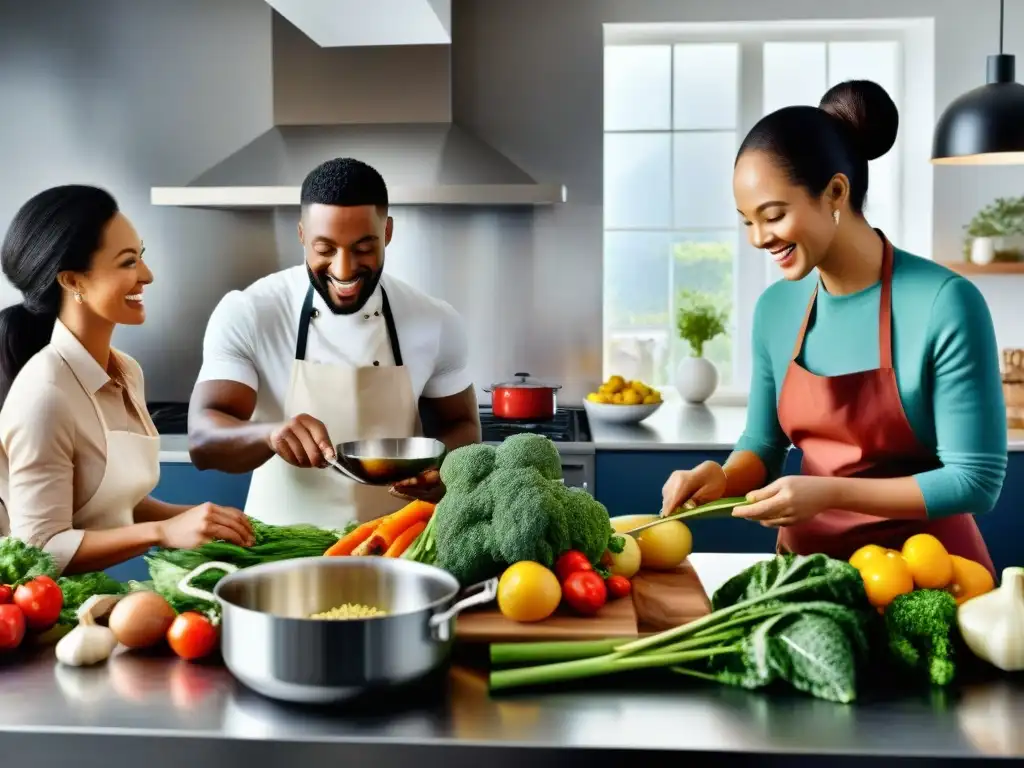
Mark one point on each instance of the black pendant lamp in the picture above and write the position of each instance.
(985, 126)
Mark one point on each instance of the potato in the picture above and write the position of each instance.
(627, 562)
(662, 547)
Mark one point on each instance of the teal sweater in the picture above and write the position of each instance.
(947, 370)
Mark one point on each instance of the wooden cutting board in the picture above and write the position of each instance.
(660, 600)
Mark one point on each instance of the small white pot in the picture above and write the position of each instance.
(983, 250)
(696, 379)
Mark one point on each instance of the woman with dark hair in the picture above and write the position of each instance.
(880, 366)
(79, 454)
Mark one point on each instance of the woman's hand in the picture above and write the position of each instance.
(705, 482)
(203, 524)
(788, 501)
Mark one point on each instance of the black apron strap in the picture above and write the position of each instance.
(307, 313)
(389, 320)
(304, 317)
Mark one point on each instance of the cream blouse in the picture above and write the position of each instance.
(53, 450)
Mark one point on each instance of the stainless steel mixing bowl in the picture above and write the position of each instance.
(271, 645)
(388, 460)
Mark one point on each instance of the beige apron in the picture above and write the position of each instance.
(131, 474)
(354, 404)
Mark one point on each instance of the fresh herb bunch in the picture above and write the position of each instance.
(699, 320)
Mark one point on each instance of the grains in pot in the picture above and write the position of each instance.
(349, 611)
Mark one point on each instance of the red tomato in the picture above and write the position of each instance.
(192, 635)
(585, 592)
(40, 600)
(571, 562)
(12, 627)
(617, 586)
(6, 593)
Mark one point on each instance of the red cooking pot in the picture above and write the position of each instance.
(524, 399)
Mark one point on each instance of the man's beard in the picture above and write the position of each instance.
(370, 282)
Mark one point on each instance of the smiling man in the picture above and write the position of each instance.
(327, 352)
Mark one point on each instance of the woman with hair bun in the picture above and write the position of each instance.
(881, 366)
(79, 454)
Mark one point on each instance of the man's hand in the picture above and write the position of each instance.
(424, 487)
(302, 441)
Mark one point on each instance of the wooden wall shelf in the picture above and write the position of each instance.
(995, 268)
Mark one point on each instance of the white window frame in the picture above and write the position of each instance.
(915, 100)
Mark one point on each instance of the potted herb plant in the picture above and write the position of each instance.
(996, 233)
(698, 320)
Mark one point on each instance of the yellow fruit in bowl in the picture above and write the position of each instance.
(929, 562)
(652, 399)
(631, 397)
(598, 397)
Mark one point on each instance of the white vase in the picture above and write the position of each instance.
(983, 250)
(696, 379)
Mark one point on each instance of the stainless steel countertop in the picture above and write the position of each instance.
(51, 710)
(160, 712)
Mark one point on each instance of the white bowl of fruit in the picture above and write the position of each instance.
(618, 401)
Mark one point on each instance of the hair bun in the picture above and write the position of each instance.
(870, 113)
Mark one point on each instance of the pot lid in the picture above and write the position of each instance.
(525, 381)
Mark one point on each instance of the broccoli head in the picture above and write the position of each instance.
(920, 627)
(505, 505)
(530, 450)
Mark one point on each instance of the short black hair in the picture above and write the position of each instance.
(344, 181)
(855, 122)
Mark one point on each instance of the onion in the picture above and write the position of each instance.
(141, 619)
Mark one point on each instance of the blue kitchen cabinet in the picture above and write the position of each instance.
(630, 482)
(182, 483)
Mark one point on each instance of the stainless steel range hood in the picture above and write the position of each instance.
(348, 82)
(423, 164)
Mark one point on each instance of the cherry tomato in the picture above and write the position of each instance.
(570, 563)
(41, 601)
(12, 627)
(6, 593)
(192, 635)
(617, 586)
(585, 592)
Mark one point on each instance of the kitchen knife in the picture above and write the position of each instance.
(713, 509)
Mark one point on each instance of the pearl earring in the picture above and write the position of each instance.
(835, 217)
(78, 297)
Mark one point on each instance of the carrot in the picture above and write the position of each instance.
(347, 543)
(405, 538)
(384, 536)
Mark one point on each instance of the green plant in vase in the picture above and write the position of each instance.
(996, 233)
(699, 319)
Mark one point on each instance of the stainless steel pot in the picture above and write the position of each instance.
(271, 645)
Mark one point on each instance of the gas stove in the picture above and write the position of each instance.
(568, 426)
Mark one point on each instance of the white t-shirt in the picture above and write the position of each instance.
(251, 336)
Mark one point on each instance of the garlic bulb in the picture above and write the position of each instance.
(992, 624)
(88, 643)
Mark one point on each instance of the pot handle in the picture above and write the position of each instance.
(478, 594)
(185, 585)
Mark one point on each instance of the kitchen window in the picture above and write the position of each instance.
(678, 99)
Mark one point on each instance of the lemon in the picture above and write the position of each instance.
(528, 592)
(662, 547)
(627, 562)
(929, 562)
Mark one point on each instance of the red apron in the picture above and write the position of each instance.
(854, 425)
